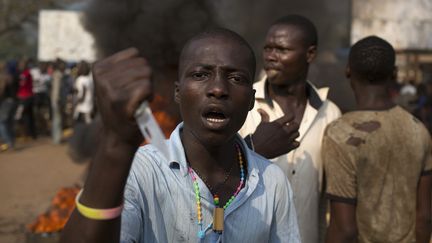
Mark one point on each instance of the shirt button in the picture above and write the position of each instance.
(293, 172)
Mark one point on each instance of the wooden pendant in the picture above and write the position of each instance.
(218, 220)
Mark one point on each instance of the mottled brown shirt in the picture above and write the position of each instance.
(374, 159)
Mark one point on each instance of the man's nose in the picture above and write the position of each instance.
(270, 55)
(218, 87)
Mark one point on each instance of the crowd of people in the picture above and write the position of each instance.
(43, 98)
(262, 161)
(416, 98)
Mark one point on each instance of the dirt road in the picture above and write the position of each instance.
(29, 178)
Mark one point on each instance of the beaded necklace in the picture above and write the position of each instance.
(218, 213)
(215, 190)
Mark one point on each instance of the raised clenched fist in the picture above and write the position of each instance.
(122, 82)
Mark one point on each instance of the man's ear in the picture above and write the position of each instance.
(176, 92)
(348, 72)
(311, 53)
(252, 101)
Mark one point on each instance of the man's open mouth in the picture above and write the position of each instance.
(215, 118)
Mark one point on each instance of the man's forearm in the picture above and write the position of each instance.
(338, 237)
(423, 209)
(423, 230)
(103, 189)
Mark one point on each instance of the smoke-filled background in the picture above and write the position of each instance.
(160, 28)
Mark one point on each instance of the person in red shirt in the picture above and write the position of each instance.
(25, 99)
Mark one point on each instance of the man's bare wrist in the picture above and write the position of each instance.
(109, 171)
(112, 140)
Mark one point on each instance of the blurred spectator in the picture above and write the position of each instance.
(409, 89)
(7, 109)
(41, 82)
(12, 68)
(50, 68)
(25, 99)
(66, 93)
(57, 101)
(84, 94)
(407, 96)
(423, 109)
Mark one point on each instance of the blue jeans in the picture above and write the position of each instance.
(28, 116)
(7, 110)
(6, 134)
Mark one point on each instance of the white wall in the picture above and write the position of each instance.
(406, 24)
(61, 35)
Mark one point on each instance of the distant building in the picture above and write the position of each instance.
(407, 25)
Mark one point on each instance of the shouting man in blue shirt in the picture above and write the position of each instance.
(209, 187)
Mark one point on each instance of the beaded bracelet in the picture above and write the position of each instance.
(97, 214)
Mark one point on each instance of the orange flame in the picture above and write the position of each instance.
(166, 122)
(55, 218)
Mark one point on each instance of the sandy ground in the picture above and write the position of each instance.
(29, 178)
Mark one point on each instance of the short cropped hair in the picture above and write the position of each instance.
(304, 24)
(224, 33)
(372, 59)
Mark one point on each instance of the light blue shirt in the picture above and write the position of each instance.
(160, 204)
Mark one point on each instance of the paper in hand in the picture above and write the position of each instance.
(150, 128)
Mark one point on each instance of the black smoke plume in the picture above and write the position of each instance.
(159, 28)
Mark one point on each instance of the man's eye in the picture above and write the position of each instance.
(200, 75)
(280, 49)
(284, 49)
(238, 79)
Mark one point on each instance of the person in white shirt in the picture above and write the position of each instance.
(42, 104)
(84, 94)
(284, 102)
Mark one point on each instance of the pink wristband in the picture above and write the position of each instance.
(97, 214)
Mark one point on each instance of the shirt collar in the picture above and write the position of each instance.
(176, 154)
(177, 157)
(316, 96)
